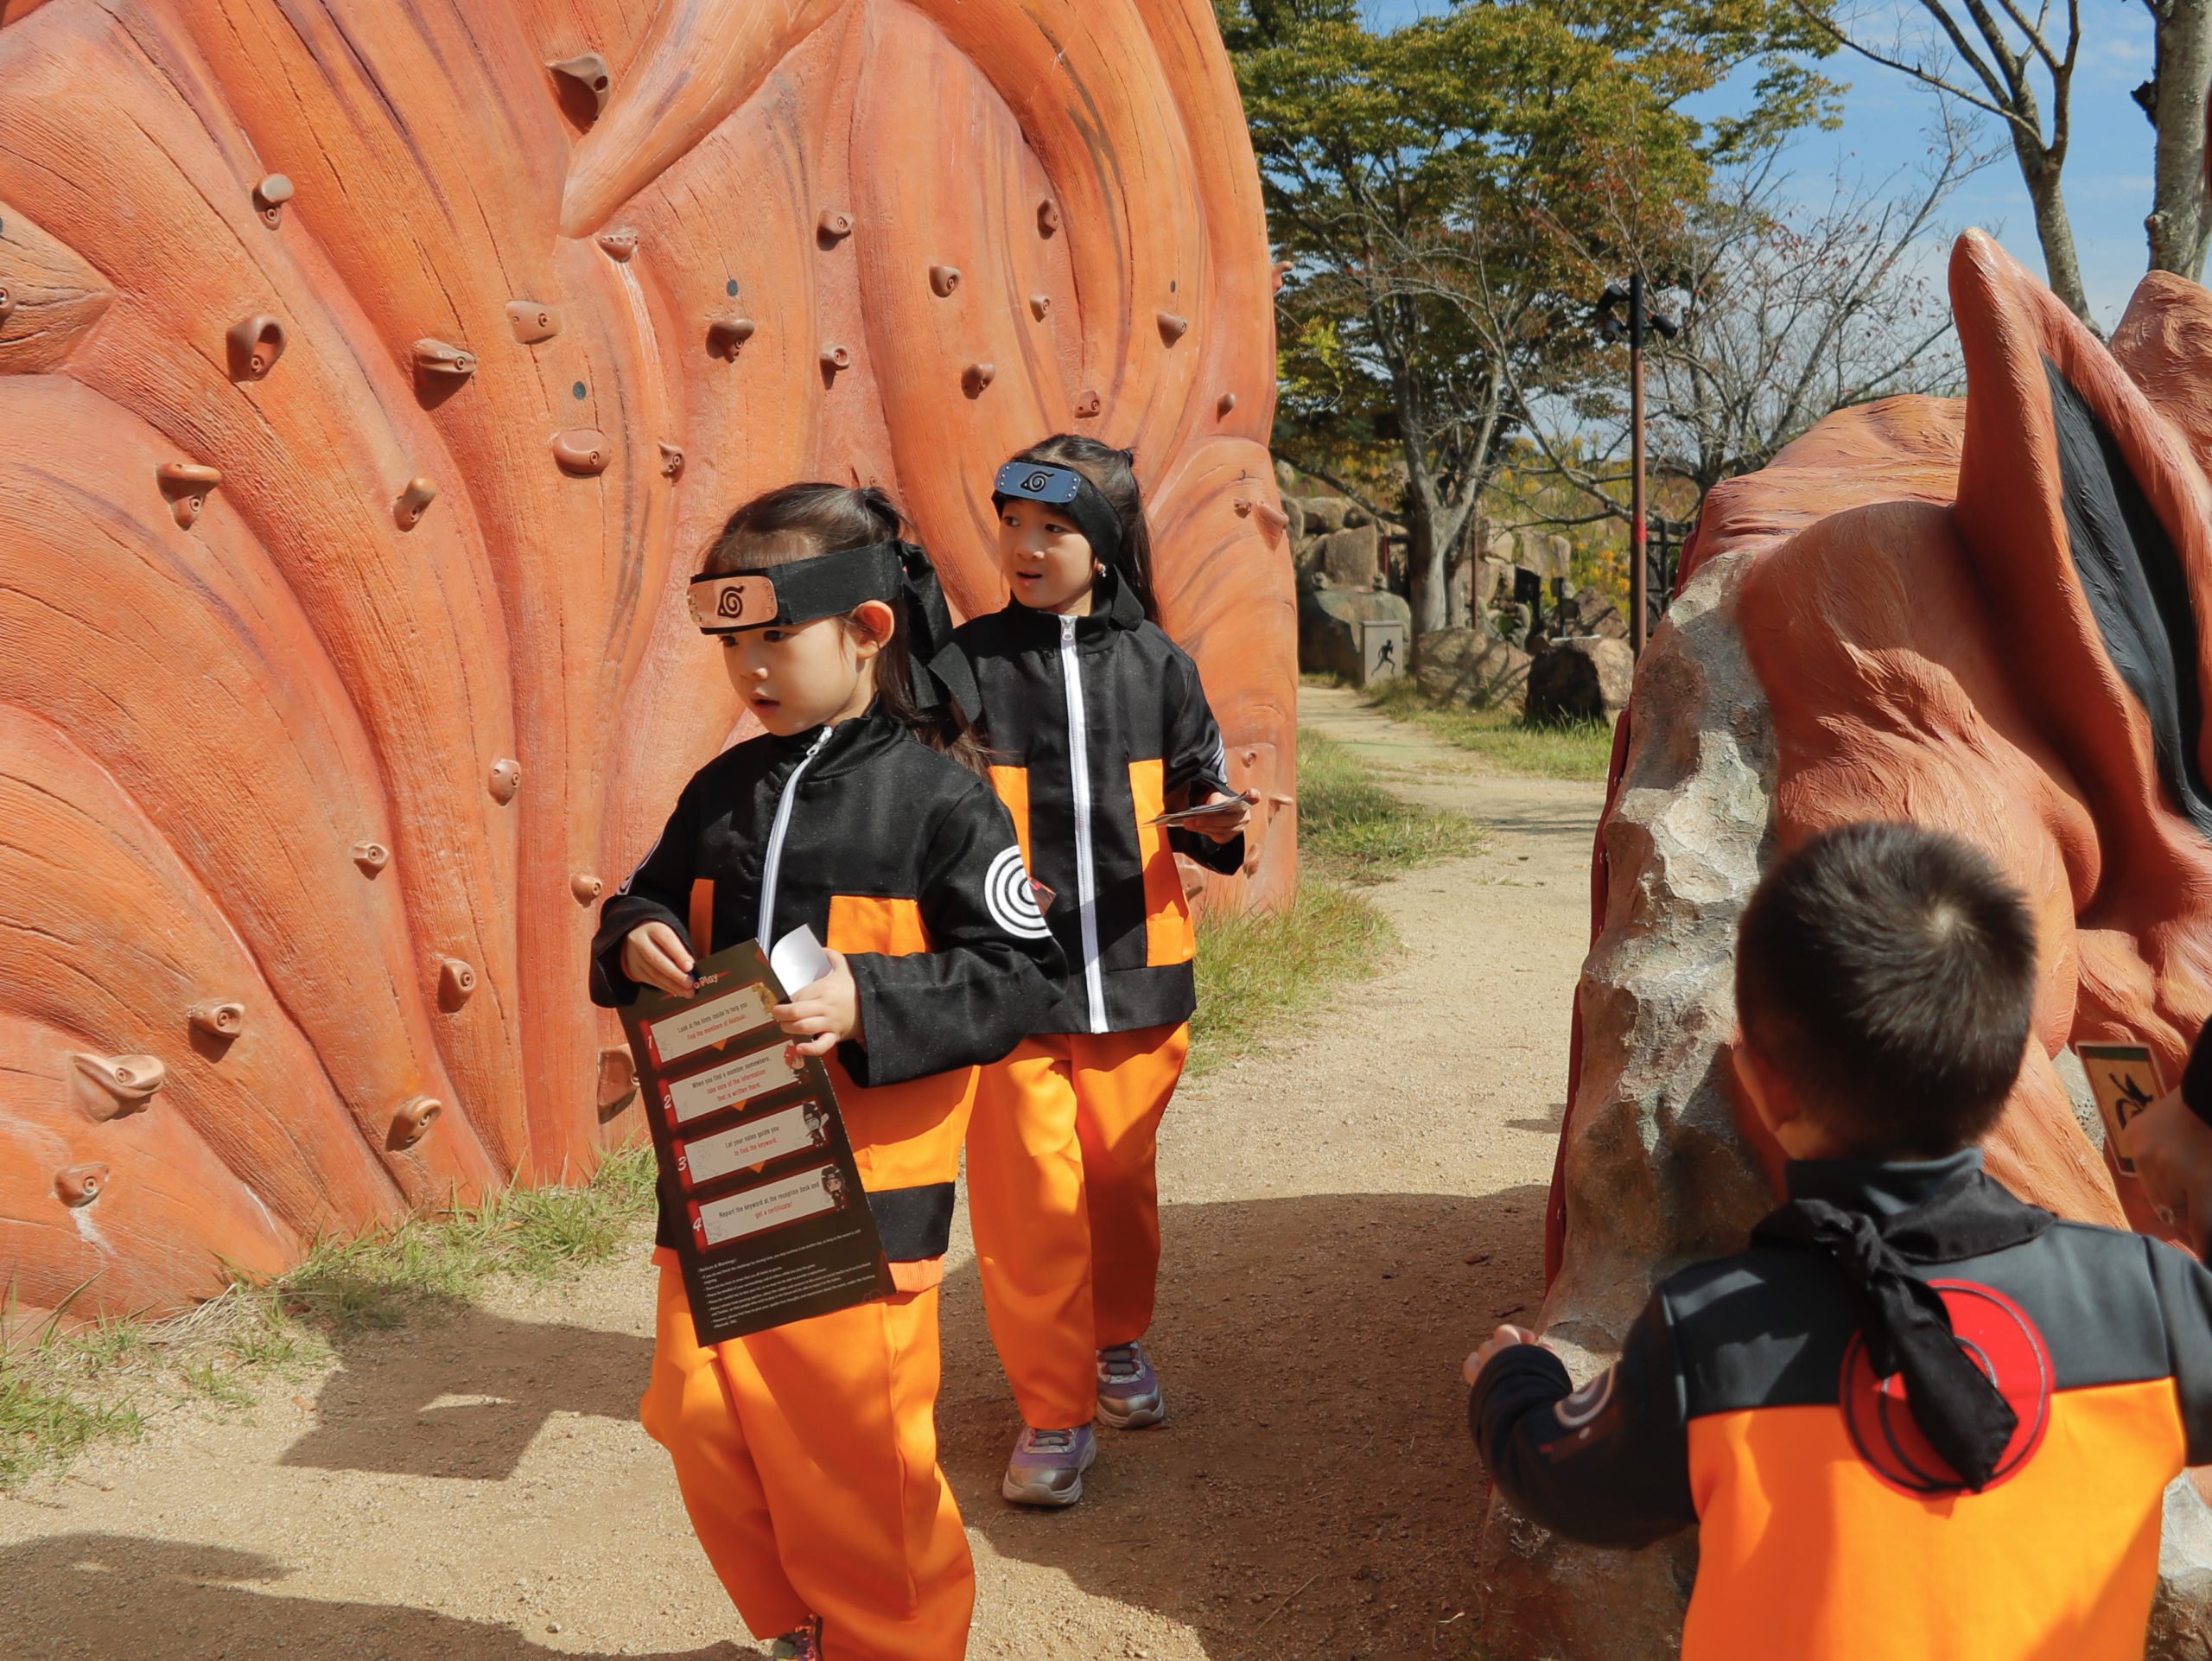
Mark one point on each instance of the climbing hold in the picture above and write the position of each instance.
(672, 461)
(186, 485)
(408, 511)
(730, 288)
(581, 451)
(444, 359)
(109, 1085)
(1282, 270)
(726, 338)
(371, 857)
(1224, 404)
(943, 279)
(506, 779)
(1087, 405)
(217, 1018)
(270, 196)
(256, 343)
(1048, 217)
(1038, 305)
(1273, 517)
(80, 1185)
(618, 1080)
(579, 391)
(1243, 506)
(585, 886)
(1173, 328)
(619, 245)
(413, 1121)
(835, 358)
(532, 323)
(456, 980)
(835, 225)
(584, 78)
(976, 376)
(7, 305)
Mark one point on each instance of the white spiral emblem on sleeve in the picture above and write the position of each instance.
(1008, 898)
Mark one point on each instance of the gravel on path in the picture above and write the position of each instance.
(1344, 1215)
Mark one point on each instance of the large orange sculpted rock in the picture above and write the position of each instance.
(369, 378)
(1991, 616)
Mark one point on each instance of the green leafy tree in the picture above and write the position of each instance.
(1451, 194)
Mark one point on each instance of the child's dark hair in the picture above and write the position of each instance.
(1888, 973)
(1114, 473)
(802, 521)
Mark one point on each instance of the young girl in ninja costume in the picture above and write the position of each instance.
(1098, 724)
(807, 1454)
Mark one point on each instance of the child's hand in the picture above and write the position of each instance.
(825, 1014)
(1235, 812)
(653, 955)
(1503, 1339)
(2173, 1151)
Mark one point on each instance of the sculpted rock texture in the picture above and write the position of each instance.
(277, 731)
(1988, 616)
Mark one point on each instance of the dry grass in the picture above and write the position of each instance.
(1582, 751)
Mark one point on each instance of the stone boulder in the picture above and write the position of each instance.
(1471, 666)
(1348, 558)
(1584, 678)
(1589, 612)
(1328, 627)
(1323, 514)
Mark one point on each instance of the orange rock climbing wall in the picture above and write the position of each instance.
(369, 378)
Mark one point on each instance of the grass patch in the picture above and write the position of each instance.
(1261, 970)
(1357, 831)
(1582, 751)
(61, 1390)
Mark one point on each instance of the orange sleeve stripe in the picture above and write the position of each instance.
(865, 923)
(700, 922)
(1012, 786)
(1168, 936)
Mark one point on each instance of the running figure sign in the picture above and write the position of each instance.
(753, 1156)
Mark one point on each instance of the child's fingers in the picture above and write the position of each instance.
(820, 1044)
(649, 963)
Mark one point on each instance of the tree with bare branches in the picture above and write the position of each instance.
(2008, 63)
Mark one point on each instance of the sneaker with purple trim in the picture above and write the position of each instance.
(1047, 1466)
(800, 1644)
(1128, 1389)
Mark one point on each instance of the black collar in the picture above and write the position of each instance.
(850, 743)
(1114, 608)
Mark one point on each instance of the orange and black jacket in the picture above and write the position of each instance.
(1096, 725)
(1744, 1402)
(904, 860)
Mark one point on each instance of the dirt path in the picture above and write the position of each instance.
(475, 1487)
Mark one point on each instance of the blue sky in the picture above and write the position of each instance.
(1886, 118)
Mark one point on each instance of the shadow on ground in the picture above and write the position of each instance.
(1314, 1493)
(457, 1392)
(73, 1597)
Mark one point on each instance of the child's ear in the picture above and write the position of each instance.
(873, 622)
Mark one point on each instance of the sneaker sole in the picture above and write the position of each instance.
(1045, 1499)
(1143, 1418)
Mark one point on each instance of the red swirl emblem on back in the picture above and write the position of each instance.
(2004, 1343)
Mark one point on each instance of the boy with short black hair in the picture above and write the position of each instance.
(1917, 1417)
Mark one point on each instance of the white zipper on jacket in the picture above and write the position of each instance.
(1086, 878)
(771, 868)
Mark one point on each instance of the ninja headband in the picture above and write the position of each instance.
(832, 585)
(1073, 494)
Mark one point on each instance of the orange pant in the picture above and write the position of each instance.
(1065, 1202)
(807, 1458)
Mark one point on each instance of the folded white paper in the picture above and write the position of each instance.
(797, 960)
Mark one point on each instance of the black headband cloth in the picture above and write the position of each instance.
(834, 585)
(1073, 494)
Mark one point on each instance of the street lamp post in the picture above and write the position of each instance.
(1630, 293)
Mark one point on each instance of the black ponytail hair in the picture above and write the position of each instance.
(803, 521)
(1113, 474)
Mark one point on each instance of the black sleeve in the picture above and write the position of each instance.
(659, 890)
(1607, 1464)
(2184, 1290)
(1196, 763)
(2197, 1077)
(989, 975)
